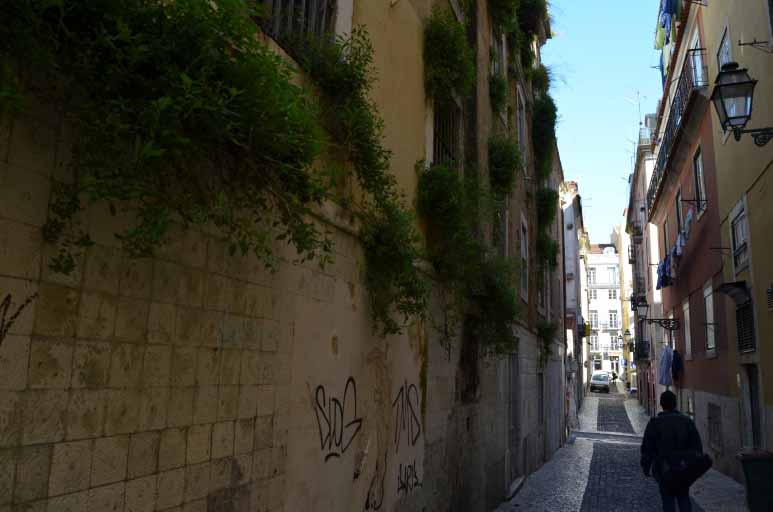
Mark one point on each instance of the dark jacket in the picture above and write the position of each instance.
(669, 432)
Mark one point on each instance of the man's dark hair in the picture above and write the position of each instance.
(668, 400)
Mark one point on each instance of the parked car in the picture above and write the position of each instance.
(599, 381)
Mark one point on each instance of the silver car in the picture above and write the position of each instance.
(599, 381)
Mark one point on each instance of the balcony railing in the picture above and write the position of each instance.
(604, 326)
(694, 76)
(291, 18)
(605, 284)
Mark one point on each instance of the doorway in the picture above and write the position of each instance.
(752, 404)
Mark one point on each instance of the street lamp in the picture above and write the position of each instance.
(627, 335)
(642, 308)
(732, 97)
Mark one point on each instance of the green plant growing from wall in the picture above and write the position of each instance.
(531, 13)
(544, 118)
(482, 286)
(504, 158)
(497, 89)
(546, 332)
(449, 62)
(184, 116)
(504, 14)
(547, 248)
(541, 78)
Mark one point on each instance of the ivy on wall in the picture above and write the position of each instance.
(543, 123)
(183, 115)
(449, 62)
(504, 160)
(484, 297)
(546, 333)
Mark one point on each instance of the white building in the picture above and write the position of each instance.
(604, 308)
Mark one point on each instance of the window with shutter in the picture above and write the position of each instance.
(744, 322)
(288, 18)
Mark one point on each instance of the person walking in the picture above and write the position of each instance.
(673, 453)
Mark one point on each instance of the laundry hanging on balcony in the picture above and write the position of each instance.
(665, 277)
(677, 366)
(664, 369)
(688, 223)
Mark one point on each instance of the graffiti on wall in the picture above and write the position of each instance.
(408, 478)
(406, 409)
(407, 426)
(6, 322)
(375, 497)
(337, 420)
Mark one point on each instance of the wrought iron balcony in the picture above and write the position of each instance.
(694, 76)
(605, 284)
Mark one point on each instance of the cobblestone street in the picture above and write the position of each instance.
(598, 469)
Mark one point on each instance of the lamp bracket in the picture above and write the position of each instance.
(763, 46)
(761, 136)
(699, 203)
(669, 324)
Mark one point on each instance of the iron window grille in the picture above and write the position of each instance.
(291, 18)
(770, 295)
(744, 321)
(446, 149)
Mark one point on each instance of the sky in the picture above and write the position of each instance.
(601, 55)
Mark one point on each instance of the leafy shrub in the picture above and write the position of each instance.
(483, 287)
(443, 202)
(547, 206)
(449, 62)
(547, 251)
(184, 114)
(546, 332)
(544, 119)
(531, 13)
(504, 159)
(395, 285)
(504, 13)
(540, 79)
(494, 304)
(497, 89)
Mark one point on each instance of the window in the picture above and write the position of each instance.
(665, 238)
(724, 53)
(612, 275)
(592, 276)
(594, 342)
(744, 323)
(686, 329)
(446, 150)
(678, 207)
(290, 18)
(740, 236)
(594, 319)
(613, 294)
(708, 302)
(696, 60)
(594, 294)
(612, 319)
(700, 182)
(524, 259)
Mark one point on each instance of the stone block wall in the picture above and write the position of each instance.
(134, 385)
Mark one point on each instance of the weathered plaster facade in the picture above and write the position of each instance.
(197, 381)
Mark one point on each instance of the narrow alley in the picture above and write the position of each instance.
(598, 468)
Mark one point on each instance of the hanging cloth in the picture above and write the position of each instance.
(664, 369)
(677, 366)
(688, 223)
(660, 37)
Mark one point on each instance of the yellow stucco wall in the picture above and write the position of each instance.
(742, 167)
